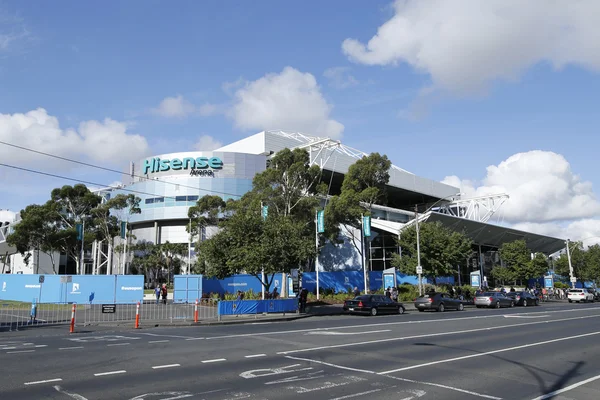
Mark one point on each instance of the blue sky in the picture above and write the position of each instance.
(442, 89)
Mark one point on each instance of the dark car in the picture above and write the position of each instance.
(524, 299)
(373, 305)
(439, 302)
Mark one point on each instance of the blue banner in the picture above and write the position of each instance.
(123, 229)
(187, 288)
(241, 282)
(366, 222)
(265, 212)
(79, 228)
(238, 307)
(320, 221)
(475, 280)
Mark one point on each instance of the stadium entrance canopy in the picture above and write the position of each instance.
(482, 234)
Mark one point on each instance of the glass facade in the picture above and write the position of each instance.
(382, 245)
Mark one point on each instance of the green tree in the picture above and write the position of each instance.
(503, 274)
(538, 267)
(592, 261)
(364, 185)
(580, 271)
(148, 259)
(172, 254)
(206, 212)
(37, 230)
(442, 250)
(247, 243)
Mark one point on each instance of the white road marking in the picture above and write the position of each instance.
(328, 385)
(110, 373)
(255, 355)
(298, 378)
(214, 360)
(332, 333)
(46, 381)
(174, 395)
(524, 346)
(108, 338)
(566, 389)
(70, 348)
(20, 351)
(166, 366)
(196, 338)
(525, 316)
(159, 341)
(331, 365)
(71, 395)
(430, 321)
(170, 336)
(41, 345)
(357, 394)
(335, 346)
(417, 393)
(9, 348)
(118, 344)
(485, 396)
(258, 373)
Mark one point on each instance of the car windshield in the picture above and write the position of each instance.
(362, 297)
(488, 294)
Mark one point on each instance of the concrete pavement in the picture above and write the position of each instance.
(519, 353)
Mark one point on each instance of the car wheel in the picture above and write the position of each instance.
(478, 306)
(441, 307)
(400, 310)
(497, 304)
(570, 301)
(461, 307)
(537, 302)
(512, 303)
(421, 310)
(524, 303)
(373, 311)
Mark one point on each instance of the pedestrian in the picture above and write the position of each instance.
(303, 298)
(356, 292)
(395, 294)
(157, 293)
(388, 293)
(164, 293)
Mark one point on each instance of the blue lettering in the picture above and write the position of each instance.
(176, 164)
(147, 166)
(201, 162)
(165, 165)
(189, 163)
(215, 163)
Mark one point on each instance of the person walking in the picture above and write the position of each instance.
(164, 293)
(157, 293)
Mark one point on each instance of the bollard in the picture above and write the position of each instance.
(137, 316)
(196, 311)
(72, 328)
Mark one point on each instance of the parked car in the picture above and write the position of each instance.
(439, 302)
(579, 295)
(373, 305)
(493, 299)
(596, 293)
(524, 299)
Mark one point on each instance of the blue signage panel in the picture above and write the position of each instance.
(265, 212)
(366, 222)
(290, 287)
(241, 282)
(187, 288)
(475, 279)
(257, 306)
(320, 221)
(548, 282)
(79, 229)
(388, 281)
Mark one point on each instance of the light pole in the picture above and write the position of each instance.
(419, 268)
(572, 278)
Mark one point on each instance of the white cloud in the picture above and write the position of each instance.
(207, 143)
(466, 44)
(174, 107)
(289, 100)
(340, 78)
(105, 141)
(206, 110)
(545, 195)
(13, 32)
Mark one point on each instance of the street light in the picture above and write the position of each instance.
(572, 278)
(419, 268)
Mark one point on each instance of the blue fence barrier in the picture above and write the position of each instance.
(238, 307)
(92, 289)
(238, 282)
(187, 288)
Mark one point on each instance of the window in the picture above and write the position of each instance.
(159, 200)
(149, 201)
(192, 198)
(181, 198)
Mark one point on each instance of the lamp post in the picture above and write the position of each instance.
(572, 278)
(419, 268)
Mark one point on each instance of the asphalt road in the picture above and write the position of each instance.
(520, 353)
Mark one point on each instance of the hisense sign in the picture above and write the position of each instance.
(201, 166)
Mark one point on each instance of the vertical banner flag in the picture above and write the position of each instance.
(321, 221)
(79, 228)
(367, 226)
(123, 229)
(265, 212)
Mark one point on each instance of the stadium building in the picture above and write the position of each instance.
(168, 184)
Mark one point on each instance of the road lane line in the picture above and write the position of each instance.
(485, 396)
(357, 394)
(331, 365)
(566, 389)
(20, 351)
(196, 338)
(41, 345)
(333, 333)
(215, 360)
(166, 366)
(9, 348)
(46, 381)
(169, 336)
(118, 344)
(255, 355)
(158, 341)
(71, 395)
(428, 335)
(524, 346)
(70, 348)
(110, 373)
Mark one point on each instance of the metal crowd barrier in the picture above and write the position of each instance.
(18, 316)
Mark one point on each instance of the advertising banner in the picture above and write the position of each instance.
(320, 221)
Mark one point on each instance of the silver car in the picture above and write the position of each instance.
(493, 299)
